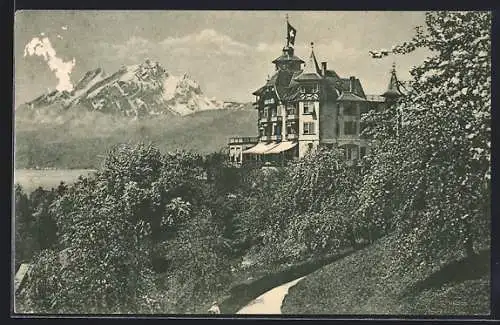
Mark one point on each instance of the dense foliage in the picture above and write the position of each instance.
(437, 164)
(142, 212)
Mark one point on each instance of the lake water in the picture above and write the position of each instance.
(30, 179)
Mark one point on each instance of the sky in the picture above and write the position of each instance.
(228, 52)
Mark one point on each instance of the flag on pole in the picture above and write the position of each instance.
(291, 33)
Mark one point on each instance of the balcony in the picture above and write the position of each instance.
(276, 137)
(264, 119)
(276, 118)
(292, 136)
(265, 138)
(269, 102)
(243, 140)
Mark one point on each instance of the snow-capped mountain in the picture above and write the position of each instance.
(136, 90)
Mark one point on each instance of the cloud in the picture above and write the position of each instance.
(62, 70)
(211, 40)
(207, 41)
(323, 51)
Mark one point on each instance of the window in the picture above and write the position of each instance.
(274, 111)
(362, 152)
(308, 107)
(309, 128)
(351, 152)
(268, 131)
(265, 112)
(291, 128)
(350, 109)
(350, 128)
(291, 109)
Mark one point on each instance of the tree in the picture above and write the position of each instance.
(441, 156)
(24, 240)
(99, 261)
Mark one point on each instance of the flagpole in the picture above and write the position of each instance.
(287, 36)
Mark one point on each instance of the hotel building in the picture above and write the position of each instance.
(303, 107)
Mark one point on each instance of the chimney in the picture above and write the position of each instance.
(323, 68)
(351, 84)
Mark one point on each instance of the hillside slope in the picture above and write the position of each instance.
(361, 284)
(78, 139)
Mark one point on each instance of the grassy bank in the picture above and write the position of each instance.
(253, 282)
(361, 284)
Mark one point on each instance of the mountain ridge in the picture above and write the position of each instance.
(138, 90)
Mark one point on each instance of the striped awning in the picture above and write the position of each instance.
(282, 146)
(258, 148)
(262, 148)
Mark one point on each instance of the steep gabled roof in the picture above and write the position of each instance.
(332, 74)
(311, 70)
(259, 91)
(291, 93)
(344, 84)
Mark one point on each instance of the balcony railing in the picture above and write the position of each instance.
(237, 140)
(265, 138)
(292, 136)
(375, 98)
(276, 137)
(276, 118)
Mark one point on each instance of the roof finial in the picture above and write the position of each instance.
(286, 16)
(393, 66)
(312, 45)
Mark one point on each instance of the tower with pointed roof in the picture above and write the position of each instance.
(304, 105)
(393, 91)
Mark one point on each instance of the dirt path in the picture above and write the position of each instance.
(269, 302)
